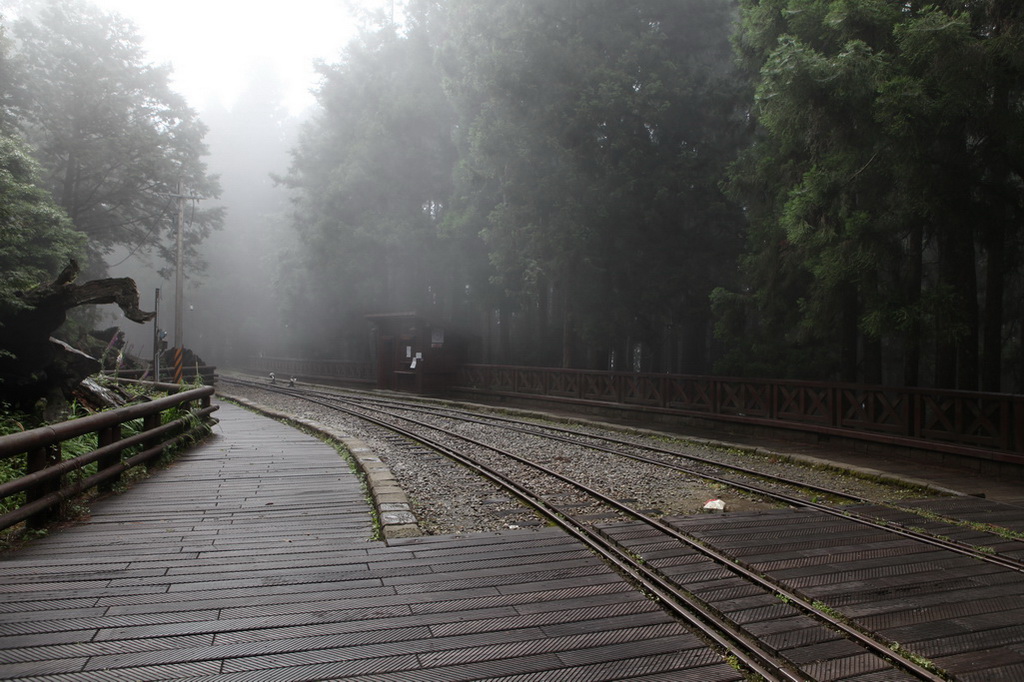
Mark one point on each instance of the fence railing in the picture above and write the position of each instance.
(208, 374)
(336, 370)
(47, 481)
(977, 424)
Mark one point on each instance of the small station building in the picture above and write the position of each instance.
(413, 354)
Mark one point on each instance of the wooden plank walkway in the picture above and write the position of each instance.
(249, 559)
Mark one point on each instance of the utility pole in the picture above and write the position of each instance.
(179, 279)
(156, 337)
(179, 264)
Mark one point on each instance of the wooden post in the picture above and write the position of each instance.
(37, 460)
(109, 436)
(150, 422)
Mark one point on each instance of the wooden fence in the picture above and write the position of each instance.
(988, 425)
(977, 425)
(315, 370)
(46, 482)
(207, 373)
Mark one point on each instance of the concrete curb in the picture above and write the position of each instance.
(393, 510)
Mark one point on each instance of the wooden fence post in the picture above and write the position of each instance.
(150, 422)
(108, 436)
(37, 460)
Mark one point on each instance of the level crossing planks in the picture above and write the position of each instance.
(961, 614)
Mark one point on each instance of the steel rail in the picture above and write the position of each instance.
(520, 424)
(934, 540)
(596, 539)
(864, 519)
(882, 649)
(953, 545)
(721, 631)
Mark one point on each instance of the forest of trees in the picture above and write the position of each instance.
(813, 189)
(109, 142)
(883, 191)
(544, 176)
(819, 189)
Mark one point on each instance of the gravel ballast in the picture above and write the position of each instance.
(446, 498)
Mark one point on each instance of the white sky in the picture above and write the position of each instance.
(212, 44)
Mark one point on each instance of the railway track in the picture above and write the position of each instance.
(589, 514)
(789, 491)
(904, 520)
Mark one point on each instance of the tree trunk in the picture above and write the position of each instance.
(957, 354)
(872, 373)
(695, 342)
(912, 338)
(538, 344)
(568, 337)
(504, 335)
(995, 287)
(69, 188)
(31, 366)
(871, 345)
(848, 333)
(1000, 226)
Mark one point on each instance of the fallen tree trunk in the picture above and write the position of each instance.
(37, 372)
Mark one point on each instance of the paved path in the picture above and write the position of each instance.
(249, 559)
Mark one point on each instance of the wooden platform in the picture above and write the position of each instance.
(248, 559)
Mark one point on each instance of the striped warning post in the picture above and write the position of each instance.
(178, 368)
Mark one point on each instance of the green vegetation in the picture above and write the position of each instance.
(555, 163)
(925, 663)
(886, 129)
(36, 238)
(1000, 531)
(111, 138)
(586, 177)
(827, 610)
(826, 189)
(92, 143)
(11, 468)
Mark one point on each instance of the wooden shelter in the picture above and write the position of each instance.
(412, 354)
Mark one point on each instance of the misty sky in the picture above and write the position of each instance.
(213, 44)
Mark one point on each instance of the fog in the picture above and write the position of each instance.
(654, 185)
(212, 46)
(253, 101)
(449, 170)
(230, 306)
